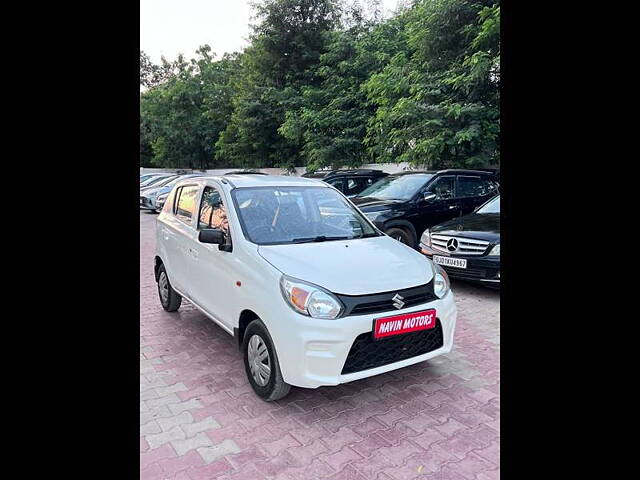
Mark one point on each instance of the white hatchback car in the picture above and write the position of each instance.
(313, 293)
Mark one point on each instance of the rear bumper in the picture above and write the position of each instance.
(483, 268)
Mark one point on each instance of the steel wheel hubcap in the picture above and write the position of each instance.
(163, 286)
(259, 361)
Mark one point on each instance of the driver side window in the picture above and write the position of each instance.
(442, 187)
(213, 213)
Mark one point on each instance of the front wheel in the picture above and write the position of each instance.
(261, 363)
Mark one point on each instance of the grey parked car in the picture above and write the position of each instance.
(155, 180)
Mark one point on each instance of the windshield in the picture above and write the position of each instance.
(280, 215)
(396, 187)
(492, 206)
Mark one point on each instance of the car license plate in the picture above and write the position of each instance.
(405, 323)
(450, 261)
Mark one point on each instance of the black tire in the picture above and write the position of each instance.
(172, 299)
(402, 235)
(275, 387)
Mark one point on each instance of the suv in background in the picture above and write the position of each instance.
(349, 182)
(404, 205)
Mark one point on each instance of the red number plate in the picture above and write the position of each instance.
(408, 322)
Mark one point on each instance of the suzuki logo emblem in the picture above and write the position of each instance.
(397, 301)
(452, 245)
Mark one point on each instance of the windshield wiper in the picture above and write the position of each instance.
(319, 238)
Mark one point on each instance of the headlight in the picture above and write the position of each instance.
(426, 238)
(441, 285)
(309, 299)
(495, 250)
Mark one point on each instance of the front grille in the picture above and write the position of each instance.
(382, 302)
(368, 353)
(466, 246)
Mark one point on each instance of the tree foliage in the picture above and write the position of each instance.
(332, 83)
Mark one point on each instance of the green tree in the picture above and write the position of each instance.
(438, 101)
(182, 117)
(286, 45)
(331, 83)
(332, 121)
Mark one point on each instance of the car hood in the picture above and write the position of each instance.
(371, 204)
(352, 267)
(480, 226)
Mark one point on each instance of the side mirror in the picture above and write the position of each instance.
(211, 235)
(429, 196)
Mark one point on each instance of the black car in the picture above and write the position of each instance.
(349, 182)
(405, 204)
(468, 247)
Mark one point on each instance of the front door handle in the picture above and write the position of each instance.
(451, 207)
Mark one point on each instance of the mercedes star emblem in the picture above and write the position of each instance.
(452, 245)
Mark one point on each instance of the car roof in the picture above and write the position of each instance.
(335, 173)
(455, 171)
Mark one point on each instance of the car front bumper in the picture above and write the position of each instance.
(480, 268)
(313, 352)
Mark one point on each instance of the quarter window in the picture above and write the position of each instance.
(186, 203)
(473, 187)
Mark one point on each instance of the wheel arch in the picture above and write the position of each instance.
(246, 317)
(156, 266)
(405, 225)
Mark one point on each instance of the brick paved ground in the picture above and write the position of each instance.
(199, 418)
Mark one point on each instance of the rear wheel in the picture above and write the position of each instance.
(261, 363)
(402, 235)
(169, 298)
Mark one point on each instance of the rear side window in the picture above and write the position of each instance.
(473, 187)
(186, 202)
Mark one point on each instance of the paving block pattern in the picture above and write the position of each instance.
(199, 418)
